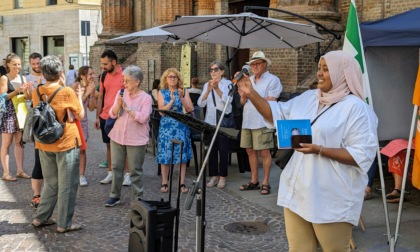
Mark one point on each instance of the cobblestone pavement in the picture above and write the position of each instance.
(107, 229)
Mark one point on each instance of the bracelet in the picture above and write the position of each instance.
(320, 151)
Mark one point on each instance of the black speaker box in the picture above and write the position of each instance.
(151, 227)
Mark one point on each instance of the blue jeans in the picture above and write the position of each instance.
(372, 172)
(61, 181)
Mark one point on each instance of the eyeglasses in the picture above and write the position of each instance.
(257, 64)
(127, 81)
(174, 77)
(213, 69)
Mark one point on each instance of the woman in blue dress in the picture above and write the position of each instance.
(171, 96)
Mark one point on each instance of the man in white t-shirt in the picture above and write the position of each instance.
(194, 91)
(35, 76)
(71, 76)
(255, 136)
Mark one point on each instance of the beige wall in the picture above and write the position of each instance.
(8, 5)
(35, 20)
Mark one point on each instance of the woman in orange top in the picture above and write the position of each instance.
(59, 160)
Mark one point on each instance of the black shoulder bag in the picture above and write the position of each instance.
(228, 120)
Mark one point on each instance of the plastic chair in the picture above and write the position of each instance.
(194, 98)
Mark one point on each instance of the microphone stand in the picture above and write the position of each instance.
(198, 188)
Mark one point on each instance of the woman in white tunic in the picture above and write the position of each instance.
(322, 186)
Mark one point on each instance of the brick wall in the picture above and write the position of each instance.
(122, 52)
(295, 67)
(117, 16)
(166, 10)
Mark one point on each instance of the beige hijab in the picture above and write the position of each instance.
(345, 75)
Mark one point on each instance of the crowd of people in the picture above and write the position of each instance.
(334, 165)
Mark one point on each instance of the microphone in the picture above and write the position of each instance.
(245, 70)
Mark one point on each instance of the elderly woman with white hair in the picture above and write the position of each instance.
(130, 134)
(322, 187)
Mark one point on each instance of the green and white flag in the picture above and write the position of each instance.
(353, 44)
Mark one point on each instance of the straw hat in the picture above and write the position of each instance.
(259, 56)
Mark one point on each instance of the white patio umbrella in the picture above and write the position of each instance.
(152, 35)
(245, 30)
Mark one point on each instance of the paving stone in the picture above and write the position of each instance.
(107, 229)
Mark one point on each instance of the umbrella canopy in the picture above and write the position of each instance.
(152, 35)
(245, 30)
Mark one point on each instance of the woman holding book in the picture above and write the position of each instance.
(322, 186)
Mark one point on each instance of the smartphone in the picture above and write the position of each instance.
(297, 139)
(121, 108)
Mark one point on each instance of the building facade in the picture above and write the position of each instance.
(50, 27)
(295, 67)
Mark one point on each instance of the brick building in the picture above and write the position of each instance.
(295, 67)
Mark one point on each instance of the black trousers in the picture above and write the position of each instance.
(37, 171)
(219, 157)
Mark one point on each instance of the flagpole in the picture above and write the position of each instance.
(407, 160)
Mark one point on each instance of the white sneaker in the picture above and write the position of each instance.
(127, 180)
(107, 179)
(83, 180)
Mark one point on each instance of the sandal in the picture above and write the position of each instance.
(35, 201)
(22, 174)
(221, 184)
(368, 195)
(250, 186)
(265, 189)
(9, 177)
(164, 188)
(184, 189)
(394, 197)
(213, 182)
(39, 223)
(73, 227)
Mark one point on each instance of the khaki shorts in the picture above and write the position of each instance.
(257, 139)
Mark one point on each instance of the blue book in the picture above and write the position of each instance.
(290, 133)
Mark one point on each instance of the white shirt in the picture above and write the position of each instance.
(194, 90)
(267, 85)
(34, 79)
(220, 102)
(71, 77)
(319, 189)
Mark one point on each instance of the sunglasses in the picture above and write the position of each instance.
(172, 77)
(213, 69)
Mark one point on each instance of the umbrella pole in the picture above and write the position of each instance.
(228, 61)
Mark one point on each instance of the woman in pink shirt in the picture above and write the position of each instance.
(130, 134)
